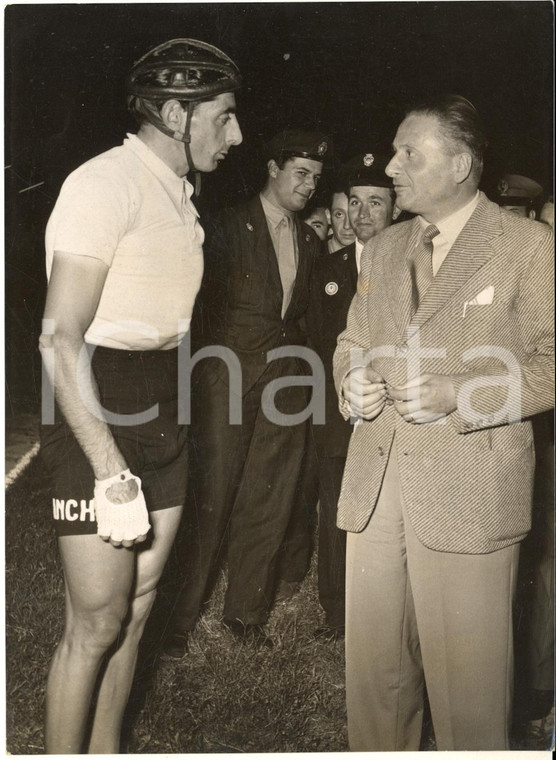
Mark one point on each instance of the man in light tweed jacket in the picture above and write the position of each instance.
(447, 353)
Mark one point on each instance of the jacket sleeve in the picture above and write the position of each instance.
(526, 387)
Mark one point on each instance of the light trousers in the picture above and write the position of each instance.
(415, 615)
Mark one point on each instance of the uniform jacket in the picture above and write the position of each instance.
(333, 286)
(467, 482)
(240, 301)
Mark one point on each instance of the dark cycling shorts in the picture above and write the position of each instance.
(156, 451)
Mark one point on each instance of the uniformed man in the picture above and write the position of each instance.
(315, 216)
(254, 298)
(338, 219)
(370, 208)
(518, 194)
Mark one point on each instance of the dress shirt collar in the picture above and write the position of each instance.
(358, 250)
(450, 227)
(173, 184)
(273, 213)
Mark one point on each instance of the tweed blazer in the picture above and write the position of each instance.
(486, 318)
(333, 285)
(240, 301)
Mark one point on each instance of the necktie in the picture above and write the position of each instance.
(420, 263)
(286, 261)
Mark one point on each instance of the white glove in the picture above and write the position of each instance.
(120, 522)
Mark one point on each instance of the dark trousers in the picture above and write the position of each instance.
(320, 481)
(332, 542)
(535, 655)
(245, 478)
(296, 551)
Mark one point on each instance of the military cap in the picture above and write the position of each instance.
(291, 143)
(517, 190)
(366, 169)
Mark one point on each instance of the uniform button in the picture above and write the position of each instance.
(380, 451)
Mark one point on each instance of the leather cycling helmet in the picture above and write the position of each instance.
(188, 70)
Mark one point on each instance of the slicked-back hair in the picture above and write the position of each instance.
(461, 126)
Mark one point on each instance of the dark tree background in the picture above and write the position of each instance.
(348, 68)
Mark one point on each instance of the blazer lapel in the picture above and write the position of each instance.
(471, 250)
(263, 249)
(398, 279)
(304, 265)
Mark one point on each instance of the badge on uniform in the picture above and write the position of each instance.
(368, 159)
(331, 288)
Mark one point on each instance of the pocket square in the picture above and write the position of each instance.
(483, 298)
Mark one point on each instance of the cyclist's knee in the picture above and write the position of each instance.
(96, 629)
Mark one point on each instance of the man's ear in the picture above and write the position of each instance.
(328, 217)
(463, 163)
(395, 212)
(273, 168)
(532, 214)
(172, 114)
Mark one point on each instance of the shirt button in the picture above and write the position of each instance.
(402, 349)
(380, 451)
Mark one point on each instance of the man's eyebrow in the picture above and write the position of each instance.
(308, 169)
(229, 109)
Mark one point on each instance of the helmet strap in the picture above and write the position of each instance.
(186, 139)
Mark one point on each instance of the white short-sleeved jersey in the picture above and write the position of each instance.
(128, 209)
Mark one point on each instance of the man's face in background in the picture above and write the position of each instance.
(371, 210)
(318, 221)
(338, 218)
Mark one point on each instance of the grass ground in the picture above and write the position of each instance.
(221, 698)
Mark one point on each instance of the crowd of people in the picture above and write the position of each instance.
(369, 360)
